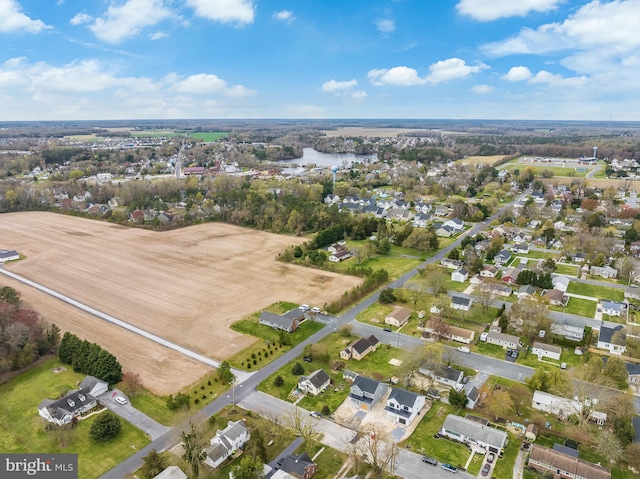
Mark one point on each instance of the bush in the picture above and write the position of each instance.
(387, 296)
(106, 426)
(325, 410)
(297, 369)
(278, 381)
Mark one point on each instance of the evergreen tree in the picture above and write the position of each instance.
(106, 426)
(153, 465)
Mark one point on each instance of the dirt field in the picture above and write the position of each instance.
(481, 160)
(185, 285)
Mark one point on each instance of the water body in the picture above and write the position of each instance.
(313, 157)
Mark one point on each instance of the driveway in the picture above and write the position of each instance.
(130, 414)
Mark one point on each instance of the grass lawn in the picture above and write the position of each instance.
(329, 460)
(209, 135)
(579, 306)
(451, 285)
(596, 291)
(24, 432)
(444, 450)
(270, 347)
(492, 350)
(568, 269)
(375, 314)
(504, 465)
(396, 266)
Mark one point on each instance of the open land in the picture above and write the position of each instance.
(186, 285)
(369, 132)
(481, 160)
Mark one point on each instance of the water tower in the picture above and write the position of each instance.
(595, 152)
(334, 170)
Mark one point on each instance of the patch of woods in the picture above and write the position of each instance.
(24, 335)
(89, 358)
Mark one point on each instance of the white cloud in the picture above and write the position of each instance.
(553, 79)
(336, 86)
(284, 16)
(517, 74)
(80, 18)
(359, 95)
(481, 89)
(386, 26)
(12, 19)
(613, 26)
(128, 19)
(487, 10)
(240, 12)
(452, 69)
(398, 76)
(157, 35)
(207, 84)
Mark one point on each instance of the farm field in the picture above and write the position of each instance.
(209, 135)
(481, 160)
(187, 286)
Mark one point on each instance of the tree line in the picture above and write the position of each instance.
(89, 358)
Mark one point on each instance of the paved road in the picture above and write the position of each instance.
(134, 416)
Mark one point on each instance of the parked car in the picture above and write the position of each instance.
(315, 414)
(121, 400)
(429, 460)
(450, 468)
(388, 330)
(464, 349)
(304, 307)
(485, 469)
(307, 359)
(315, 310)
(491, 457)
(563, 366)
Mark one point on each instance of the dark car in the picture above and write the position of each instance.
(307, 359)
(485, 469)
(429, 460)
(388, 330)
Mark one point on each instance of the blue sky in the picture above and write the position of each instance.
(458, 59)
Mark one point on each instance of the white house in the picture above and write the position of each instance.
(546, 351)
(503, 339)
(476, 431)
(569, 331)
(8, 255)
(502, 257)
(613, 308)
(446, 375)
(455, 223)
(460, 275)
(460, 302)
(555, 405)
(604, 271)
(73, 404)
(315, 383)
(226, 442)
(403, 406)
(171, 472)
(608, 339)
(489, 271)
(561, 283)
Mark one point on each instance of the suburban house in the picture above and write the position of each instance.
(526, 291)
(473, 395)
(314, 383)
(604, 271)
(453, 333)
(606, 339)
(561, 283)
(73, 404)
(489, 271)
(613, 308)
(455, 223)
(451, 263)
(497, 289)
(171, 472)
(8, 255)
(443, 231)
(510, 276)
(563, 407)
(460, 275)
(226, 442)
(360, 348)
(398, 317)
(459, 302)
(569, 331)
(365, 393)
(475, 431)
(560, 464)
(543, 350)
(634, 376)
(275, 321)
(556, 297)
(520, 248)
(296, 466)
(403, 406)
(503, 339)
(444, 375)
(502, 257)
(340, 255)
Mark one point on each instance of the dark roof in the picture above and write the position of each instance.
(566, 450)
(607, 333)
(447, 372)
(68, 404)
(318, 378)
(362, 344)
(366, 384)
(275, 319)
(460, 300)
(404, 397)
(296, 464)
(295, 313)
(473, 393)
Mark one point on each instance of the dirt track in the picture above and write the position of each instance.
(185, 285)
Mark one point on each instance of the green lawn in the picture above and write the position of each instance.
(504, 465)
(596, 291)
(209, 136)
(329, 460)
(396, 266)
(568, 269)
(579, 306)
(270, 347)
(492, 350)
(375, 314)
(24, 430)
(423, 442)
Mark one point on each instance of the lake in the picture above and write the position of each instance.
(313, 157)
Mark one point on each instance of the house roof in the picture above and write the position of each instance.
(461, 271)
(488, 435)
(318, 378)
(362, 344)
(612, 305)
(295, 313)
(461, 300)
(446, 372)
(90, 382)
(503, 337)
(366, 384)
(400, 313)
(404, 397)
(473, 394)
(234, 430)
(68, 404)
(560, 279)
(171, 472)
(576, 466)
(606, 334)
(295, 464)
(527, 289)
(217, 451)
(554, 295)
(547, 347)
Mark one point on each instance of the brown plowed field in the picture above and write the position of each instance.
(185, 285)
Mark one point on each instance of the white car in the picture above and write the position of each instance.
(304, 307)
(121, 400)
(315, 310)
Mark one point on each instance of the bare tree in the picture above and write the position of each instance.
(608, 445)
(411, 361)
(299, 422)
(485, 295)
(435, 278)
(381, 455)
